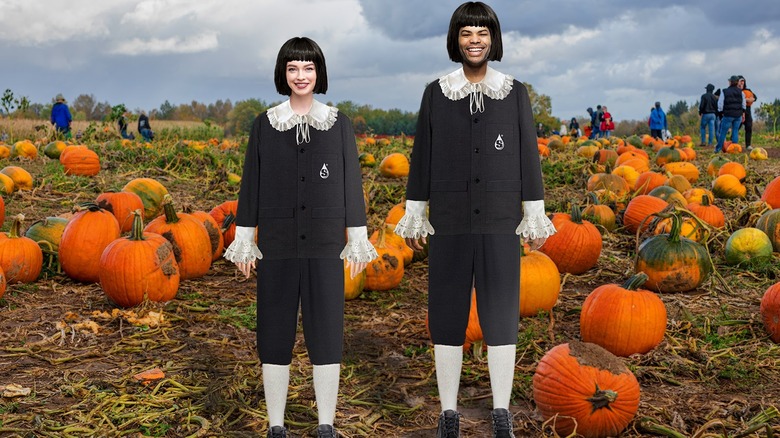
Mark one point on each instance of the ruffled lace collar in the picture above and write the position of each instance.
(320, 117)
(495, 85)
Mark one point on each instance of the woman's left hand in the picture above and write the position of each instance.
(537, 243)
(356, 268)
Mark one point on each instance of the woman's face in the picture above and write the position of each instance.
(741, 84)
(474, 45)
(301, 77)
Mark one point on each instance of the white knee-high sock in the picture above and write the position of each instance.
(449, 360)
(326, 391)
(501, 365)
(276, 380)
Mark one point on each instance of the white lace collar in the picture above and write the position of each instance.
(495, 85)
(320, 117)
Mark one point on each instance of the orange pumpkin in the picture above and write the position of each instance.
(715, 164)
(83, 162)
(225, 215)
(770, 312)
(628, 173)
(576, 246)
(353, 287)
(151, 193)
(588, 388)
(84, 238)
(771, 194)
(708, 212)
(670, 195)
(540, 282)
(697, 194)
(679, 183)
(684, 168)
(727, 186)
(733, 168)
(733, 148)
(190, 240)
(21, 259)
(395, 165)
(386, 271)
(121, 205)
(639, 209)
(24, 149)
(649, 180)
(22, 178)
(599, 214)
(608, 181)
(689, 228)
(395, 240)
(395, 214)
(139, 267)
(625, 320)
(215, 233)
(6, 184)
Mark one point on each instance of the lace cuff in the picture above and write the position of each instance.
(414, 224)
(535, 224)
(243, 248)
(358, 249)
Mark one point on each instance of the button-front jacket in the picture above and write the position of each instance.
(475, 159)
(301, 184)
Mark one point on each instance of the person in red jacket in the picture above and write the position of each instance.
(607, 125)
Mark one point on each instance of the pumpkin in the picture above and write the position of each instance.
(727, 186)
(733, 168)
(679, 183)
(151, 193)
(395, 165)
(543, 150)
(139, 267)
(673, 263)
(121, 205)
(770, 311)
(188, 235)
(71, 148)
(24, 149)
(555, 144)
(669, 194)
(84, 238)
(625, 320)
(576, 246)
(640, 164)
(386, 271)
(628, 173)
(83, 162)
(353, 287)
(630, 155)
(587, 151)
(395, 214)
(689, 228)
(685, 169)
(769, 223)
(215, 233)
(395, 240)
(48, 230)
(367, 159)
(606, 156)
(54, 149)
(473, 329)
(608, 181)
(715, 163)
(588, 388)
(747, 244)
(21, 259)
(3, 283)
(732, 148)
(6, 184)
(697, 194)
(668, 154)
(2, 210)
(649, 180)
(225, 215)
(708, 212)
(687, 153)
(22, 178)
(639, 208)
(5, 152)
(759, 154)
(599, 214)
(771, 194)
(540, 282)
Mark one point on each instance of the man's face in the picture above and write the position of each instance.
(474, 45)
(741, 84)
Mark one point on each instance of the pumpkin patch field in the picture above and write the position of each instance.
(654, 312)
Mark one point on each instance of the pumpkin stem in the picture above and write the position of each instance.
(674, 233)
(137, 232)
(170, 212)
(229, 219)
(635, 281)
(705, 200)
(593, 198)
(602, 399)
(576, 214)
(16, 227)
(91, 206)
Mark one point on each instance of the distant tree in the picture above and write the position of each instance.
(101, 111)
(219, 110)
(240, 118)
(541, 106)
(359, 124)
(677, 109)
(166, 111)
(85, 104)
(770, 114)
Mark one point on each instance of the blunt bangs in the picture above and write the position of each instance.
(474, 14)
(300, 49)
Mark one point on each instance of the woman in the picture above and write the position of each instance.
(301, 187)
(607, 125)
(574, 127)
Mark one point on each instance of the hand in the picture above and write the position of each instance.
(537, 243)
(246, 268)
(356, 268)
(416, 244)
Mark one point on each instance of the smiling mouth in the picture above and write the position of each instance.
(475, 50)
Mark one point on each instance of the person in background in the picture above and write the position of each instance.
(732, 104)
(574, 127)
(563, 130)
(475, 163)
(60, 116)
(750, 97)
(657, 122)
(144, 128)
(708, 108)
(123, 126)
(302, 189)
(718, 115)
(607, 125)
(594, 122)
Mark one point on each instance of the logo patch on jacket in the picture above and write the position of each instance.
(499, 144)
(324, 173)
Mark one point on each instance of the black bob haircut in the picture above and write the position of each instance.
(474, 14)
(300, 49)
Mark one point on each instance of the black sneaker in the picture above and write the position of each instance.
(449, 425)
(502, 424)
(277, 432)
(326, 431)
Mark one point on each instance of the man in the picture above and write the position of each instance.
(595, 123)
(708, 106)
(750, 97)
(475, 163)
(657, 122)
(60, 116)
(732, 104)
(144, 128)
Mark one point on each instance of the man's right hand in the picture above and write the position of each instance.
(416, 244)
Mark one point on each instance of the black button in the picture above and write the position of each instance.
(476, 119)
(476, 150)
(476, 181)
(303, 150)
(303, 178)
(303, 207)
(303, 237)
(476, 211)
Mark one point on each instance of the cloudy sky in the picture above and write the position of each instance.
(581, 53)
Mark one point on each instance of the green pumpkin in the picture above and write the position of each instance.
(769, 223)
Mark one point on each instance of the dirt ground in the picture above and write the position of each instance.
(715, 373)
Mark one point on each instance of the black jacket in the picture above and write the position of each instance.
(301, 197)
(732, 102)
(475, 170)
(708, 104)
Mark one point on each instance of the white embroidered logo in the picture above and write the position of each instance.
(499, 144)
(324, 173)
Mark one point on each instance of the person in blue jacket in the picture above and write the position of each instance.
(60, 116)
(657, 121)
